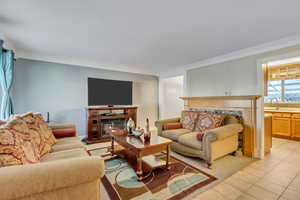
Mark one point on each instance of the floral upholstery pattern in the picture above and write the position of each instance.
(207, 121)
(37, 139)
(188, 119)
(41, 133)
(45, 130)
(16, 147)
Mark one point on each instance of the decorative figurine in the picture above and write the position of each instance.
(130, 125)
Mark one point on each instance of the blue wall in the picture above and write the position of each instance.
(62, 90)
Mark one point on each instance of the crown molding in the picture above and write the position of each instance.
(266, 47)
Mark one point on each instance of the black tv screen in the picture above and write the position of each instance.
(109, 92)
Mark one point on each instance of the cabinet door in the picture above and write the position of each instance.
(281, 126)
(296, 128)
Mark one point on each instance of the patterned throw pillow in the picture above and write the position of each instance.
(40, 132)
(207, 121)
(188, 119)
(46, 133)
(37, 139)
(15, 144)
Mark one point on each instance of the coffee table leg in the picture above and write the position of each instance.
(112, 146)
(139, 171)
(168, 157)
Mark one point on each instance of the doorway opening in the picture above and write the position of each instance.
(280, 106)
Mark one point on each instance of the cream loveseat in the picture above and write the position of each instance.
(215, 142)
(65, 172)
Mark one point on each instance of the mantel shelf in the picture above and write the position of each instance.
(247, 97)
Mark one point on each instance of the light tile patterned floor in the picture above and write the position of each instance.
(275, 177)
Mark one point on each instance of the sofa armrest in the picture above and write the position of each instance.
(25, 180)
(218, 134)
(225, 131)
(63, 130)
(160, 123)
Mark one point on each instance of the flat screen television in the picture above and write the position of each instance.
(109, 92)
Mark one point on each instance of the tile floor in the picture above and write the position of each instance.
(277, 176)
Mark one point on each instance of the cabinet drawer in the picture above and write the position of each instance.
(285, 115)
(296, 116)
(277, 114)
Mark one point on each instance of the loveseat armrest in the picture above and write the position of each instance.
(25, 180)
(63, 130)
(225, 131)
(218, 134)
(160, 123)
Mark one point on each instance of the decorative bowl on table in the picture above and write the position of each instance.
(136, 133)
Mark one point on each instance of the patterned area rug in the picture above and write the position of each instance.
(180, 180)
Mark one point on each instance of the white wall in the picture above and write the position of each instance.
(170, 89)
(234, 77)
(62, 90)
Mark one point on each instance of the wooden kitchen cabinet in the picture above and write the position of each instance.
(296, 126)
(286, 125)
(281, 125)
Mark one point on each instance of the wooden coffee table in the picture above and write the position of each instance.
(142, 151)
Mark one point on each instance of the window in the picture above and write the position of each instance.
(283, 91)
(274, 91)
(292, 90)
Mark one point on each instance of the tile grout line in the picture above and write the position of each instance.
(288, 186)
(260, 178)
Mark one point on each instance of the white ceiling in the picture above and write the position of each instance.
(142, 36)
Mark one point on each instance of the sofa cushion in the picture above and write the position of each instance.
(188, 119)
(73, 153)
(190, 140)
(206, 121)
(68, 140)
(16, 146)
(174, 133)
(67, 144)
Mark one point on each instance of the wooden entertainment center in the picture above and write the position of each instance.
(101, 116)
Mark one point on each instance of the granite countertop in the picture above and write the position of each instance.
(282, 109)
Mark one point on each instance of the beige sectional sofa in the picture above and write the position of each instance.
(215, 143)
(66, 172)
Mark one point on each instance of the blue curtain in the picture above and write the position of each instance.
(6, 80)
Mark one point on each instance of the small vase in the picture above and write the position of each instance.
(147, 136)
(130, 125)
